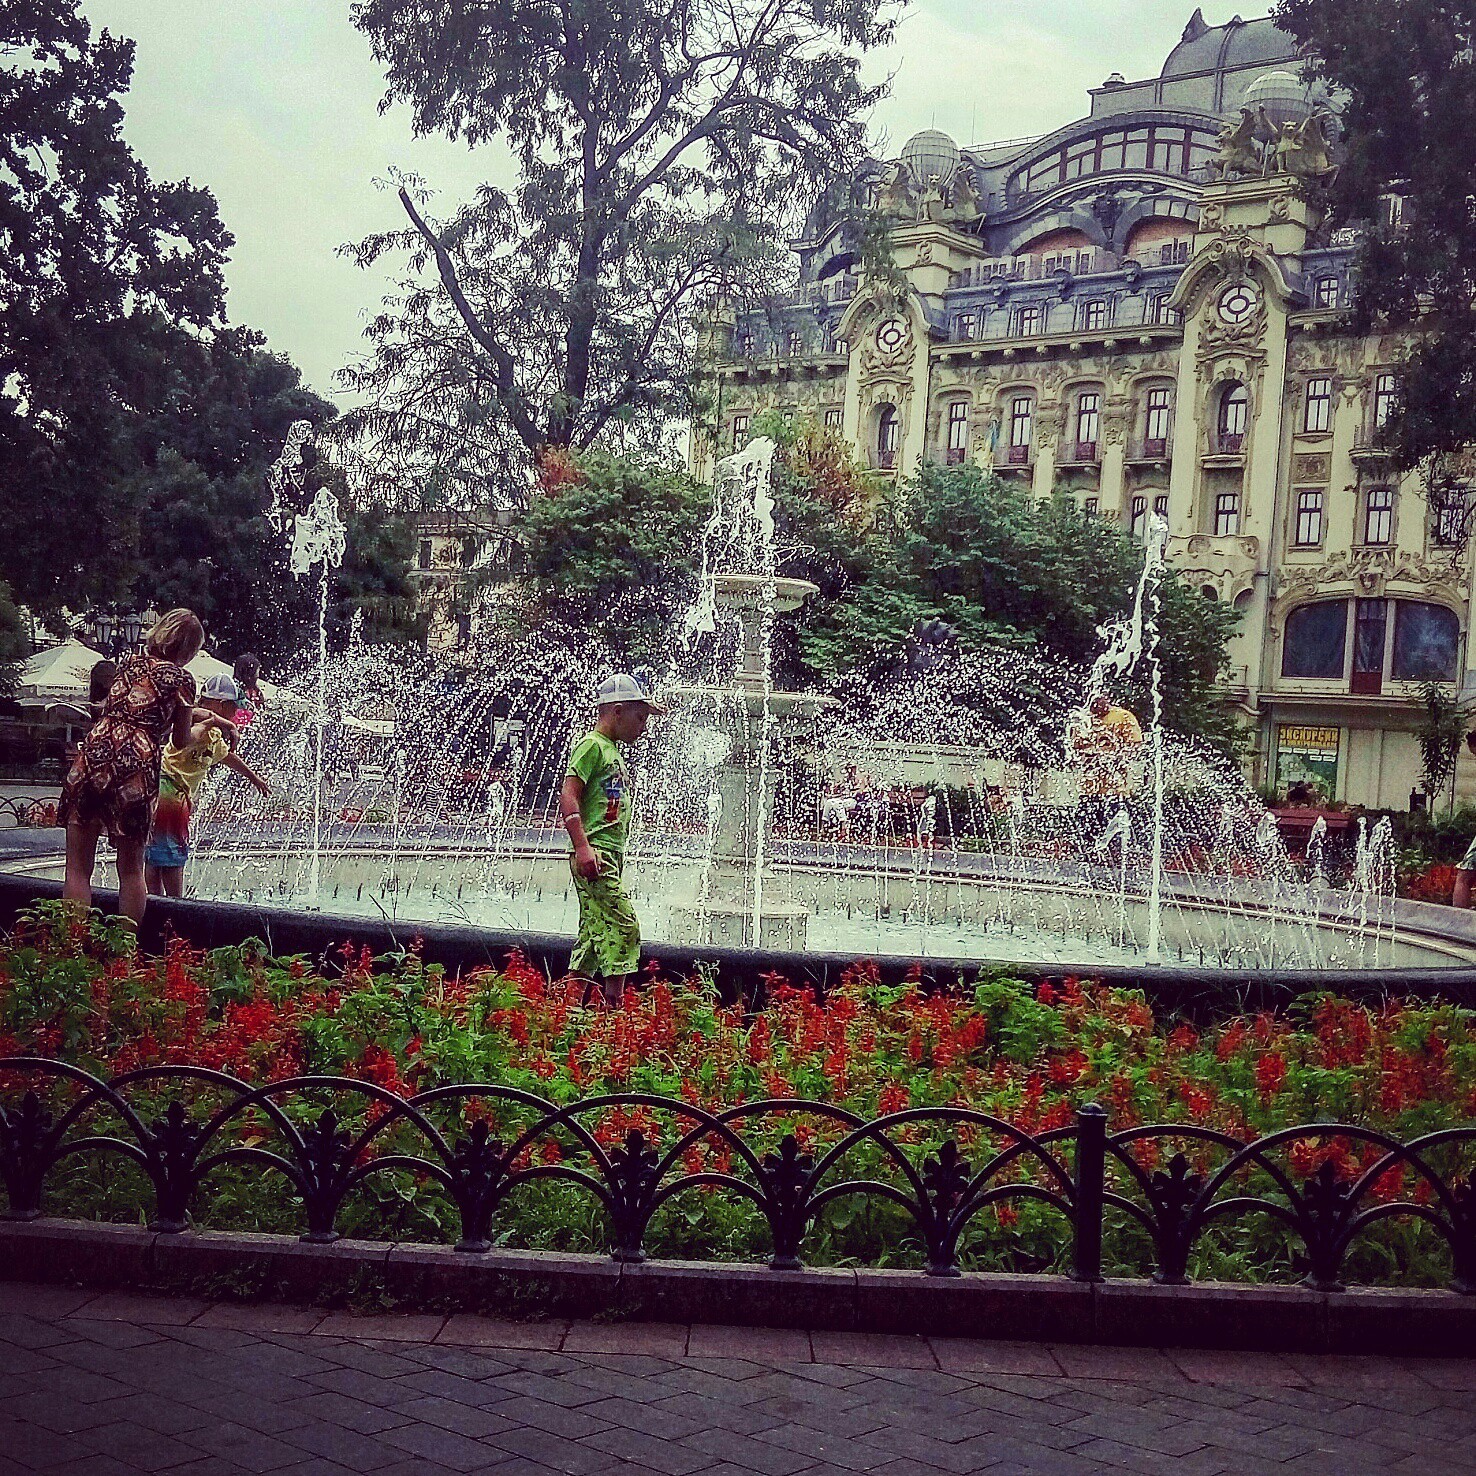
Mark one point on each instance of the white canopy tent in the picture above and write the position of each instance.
(59, 673)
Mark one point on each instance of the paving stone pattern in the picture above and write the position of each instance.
(105, 1385)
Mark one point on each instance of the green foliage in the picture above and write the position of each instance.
(15, 643)
(374, 577)
(1442, 725)
(78, 989)
(104, 271)
(999, 565)
(600, 552)
(665, 155)
(1404, 68)
(137, 420)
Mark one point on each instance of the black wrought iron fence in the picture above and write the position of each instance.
(1326, 1184)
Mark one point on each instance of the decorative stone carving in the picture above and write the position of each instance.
(1310, 466)
(1369, 572)
(1117, 419)
(1227, 564)
(1050, 420)
(1239, 149)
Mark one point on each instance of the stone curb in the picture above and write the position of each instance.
(223, 1266)
(1193, 992)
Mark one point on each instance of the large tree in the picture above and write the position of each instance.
(663, 147)
(200, 460)
(609, 548)
(101, 269)
(1405, 71)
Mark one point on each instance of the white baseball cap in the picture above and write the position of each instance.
(622, 687)
(220, 688)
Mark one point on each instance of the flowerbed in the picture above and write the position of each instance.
(76, 991)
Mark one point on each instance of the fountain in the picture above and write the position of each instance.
(731, 907)
(938, 813)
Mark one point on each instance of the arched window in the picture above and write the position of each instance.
(1402, 640)
(888, 436)
(1427, 640)
(1157, 413)
(1316, 640)
(1234, 411)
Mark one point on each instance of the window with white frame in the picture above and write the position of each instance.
(1161, 312)
(1029, 319)
(1091, 505)
(1094, 315)
(1325, 293)
(796, 343)
(1317, 416)
(1386, 394)
(1138, 516)
(958, 429)
(1448, 517)
(740, 430)
(1156, 419)
(1088, 418)
(1308, 532)
(1227, 514)
(967, 324)
(843, 347)
(1022, 426)
(1378, 516)
(1161, 504)
(1234, 411)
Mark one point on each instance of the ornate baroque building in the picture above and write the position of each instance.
(1141, 311)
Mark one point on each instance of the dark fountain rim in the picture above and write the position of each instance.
(747, 974)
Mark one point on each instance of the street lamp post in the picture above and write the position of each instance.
(131, 629)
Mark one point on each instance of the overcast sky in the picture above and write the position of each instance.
(273, 106)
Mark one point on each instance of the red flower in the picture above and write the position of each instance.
(1270, 1074)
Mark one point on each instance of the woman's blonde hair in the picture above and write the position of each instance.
(177, 637)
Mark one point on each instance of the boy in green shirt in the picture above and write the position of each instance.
(595, 805)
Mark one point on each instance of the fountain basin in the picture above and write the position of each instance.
(966, 909)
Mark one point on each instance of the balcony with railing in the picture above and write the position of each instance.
(1148, 449)
(1368, 448)
(1079, 453)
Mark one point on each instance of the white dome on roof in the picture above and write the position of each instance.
(1284, 96)
(928, 153)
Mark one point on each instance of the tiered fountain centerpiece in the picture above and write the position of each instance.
(731, 908)
(742, 717)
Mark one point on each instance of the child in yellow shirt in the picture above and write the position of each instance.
(180, 776)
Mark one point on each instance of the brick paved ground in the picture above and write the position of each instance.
(108, 1384)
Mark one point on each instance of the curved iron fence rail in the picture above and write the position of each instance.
(940, 1182)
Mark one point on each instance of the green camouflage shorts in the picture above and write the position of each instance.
(609, 942)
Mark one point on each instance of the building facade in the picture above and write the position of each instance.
(456, 557)
(1141, 310)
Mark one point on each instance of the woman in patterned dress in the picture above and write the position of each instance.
(113, 784)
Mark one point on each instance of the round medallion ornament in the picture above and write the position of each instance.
(1237, 304)
(891, 335)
